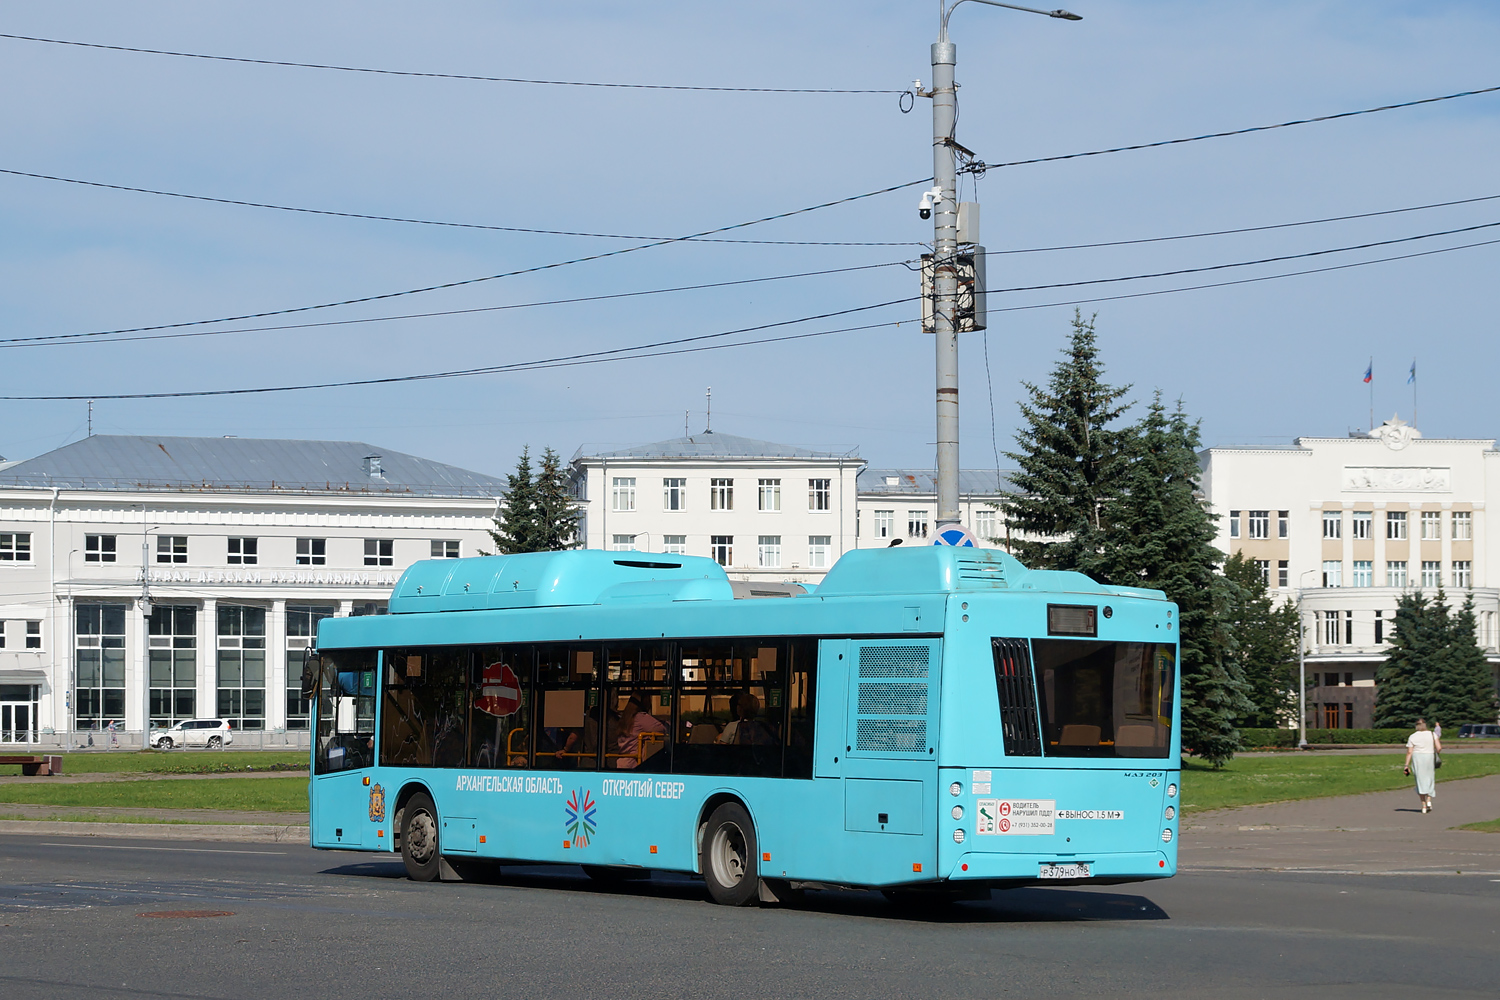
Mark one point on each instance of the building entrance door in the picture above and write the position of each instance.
(18, 722)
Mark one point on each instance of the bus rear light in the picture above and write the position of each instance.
(1161, 864)
(964, 866)
(1171, 812)
(1172, 791)
(955, 789)
(958, 812)
(958, 835)
(1166, 836)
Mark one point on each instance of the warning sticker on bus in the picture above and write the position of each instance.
(1015, 817)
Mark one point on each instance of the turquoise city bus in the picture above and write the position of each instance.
(926, 720)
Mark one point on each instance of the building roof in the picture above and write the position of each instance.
(709, 444)
(121, 462)
(975, 482)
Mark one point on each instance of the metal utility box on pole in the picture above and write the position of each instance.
(946, 268)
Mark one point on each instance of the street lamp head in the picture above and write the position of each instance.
(1065, 15)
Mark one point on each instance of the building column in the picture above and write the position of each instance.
(276, 666)
(208, 660)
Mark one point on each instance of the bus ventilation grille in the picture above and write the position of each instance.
(1013, 678)
(893, 699)
(894, 661)
(981, 572)
(893, 735)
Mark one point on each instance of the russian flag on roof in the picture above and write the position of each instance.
(1370, 371)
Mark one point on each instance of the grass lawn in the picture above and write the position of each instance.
(258, 794)
(175, 761)
(1489, 826)
(1249, 781)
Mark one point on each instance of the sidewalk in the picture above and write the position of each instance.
(1374, 833)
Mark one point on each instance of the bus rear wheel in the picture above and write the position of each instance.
(419, 839)
(727, 856)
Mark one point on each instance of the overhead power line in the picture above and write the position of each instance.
(428, 222)
(78, 338)
(979, 166)
(618, 353)
(495, 277)
(445, 76)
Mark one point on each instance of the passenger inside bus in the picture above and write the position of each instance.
(637, 729)
(746, 729)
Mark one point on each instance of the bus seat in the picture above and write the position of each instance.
(704, 732)
(1135, 736)
(1076, 735)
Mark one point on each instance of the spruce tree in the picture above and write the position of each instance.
(516, 528)
(1469, 689)
(1069, 458)
(1402, 678)
(1158, 532)
(1264, 643)
(1435, 669)
(556, 512)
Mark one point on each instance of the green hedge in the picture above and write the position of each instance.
(1256, 738)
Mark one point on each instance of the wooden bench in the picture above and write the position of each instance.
(34, 765)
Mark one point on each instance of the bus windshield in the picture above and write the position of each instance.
(1105, 699)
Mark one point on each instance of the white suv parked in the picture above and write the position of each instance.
(211, 733)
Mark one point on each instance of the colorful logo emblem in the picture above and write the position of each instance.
(377, 804)
(579, 823)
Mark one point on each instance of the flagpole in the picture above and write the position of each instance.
(1413, 392)
(1371, 383)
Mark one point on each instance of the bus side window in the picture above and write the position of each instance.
(425, 720)
(499, 727)
(567, 709)
(801, 682)
(346, 710)
(638, 706)
(733, 712)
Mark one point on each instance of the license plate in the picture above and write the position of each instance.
(1064, 871)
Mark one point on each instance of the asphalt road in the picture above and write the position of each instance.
(76, 921)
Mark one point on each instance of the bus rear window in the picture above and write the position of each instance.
(1105, 699)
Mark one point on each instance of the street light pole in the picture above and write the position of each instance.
(943, 201)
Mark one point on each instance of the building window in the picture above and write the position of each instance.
(1234, 524)
(244, 551)
(301, 633)
(379, 552)
(1432, 525)
(1283, 524)
(172, 661)
(1463, 526)
(1333, 524)
(622, 543)
(1379, 627)
(721, 494)
(1395, 524)
(1463, 573)
(674, 494)
(98, 665)
(819, 494)
(99, 548)
(984, 525)
(171, 548)
(1330, 715)
(1263, 570)
(1363, 575)
(1260, 524)
(33, 635)
(916, 524)
(818, 548)
(770, 494)
(444, 548)
(1395, 573)
(242, 666)
(885, 523)
(1348, 715)
(768, 551)
(1333, 573)
(1360, 522)
(721, 549)
(1281, 573)
(1330, 632)
(624, 493)
(312, 552)
(15, 546)
(674, 544)
(1432, 573)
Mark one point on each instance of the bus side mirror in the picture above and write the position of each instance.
(311, 667)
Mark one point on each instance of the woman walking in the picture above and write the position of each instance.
(1422, 748)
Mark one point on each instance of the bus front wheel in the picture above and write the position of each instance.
(419, 839)
(727, 856)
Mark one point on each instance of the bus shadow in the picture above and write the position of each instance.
(1025, 905)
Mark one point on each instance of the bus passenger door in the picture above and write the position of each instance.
(833, 684)
(890, 767)
(342, 804)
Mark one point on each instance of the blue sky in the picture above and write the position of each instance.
(1259, 363)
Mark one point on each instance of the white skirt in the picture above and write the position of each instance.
(1422, 770)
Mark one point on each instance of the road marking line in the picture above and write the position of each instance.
(185, 850)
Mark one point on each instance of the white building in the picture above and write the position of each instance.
(172, 578)
(1345, 526)
(902, 504)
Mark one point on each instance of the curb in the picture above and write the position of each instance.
(248, 834)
